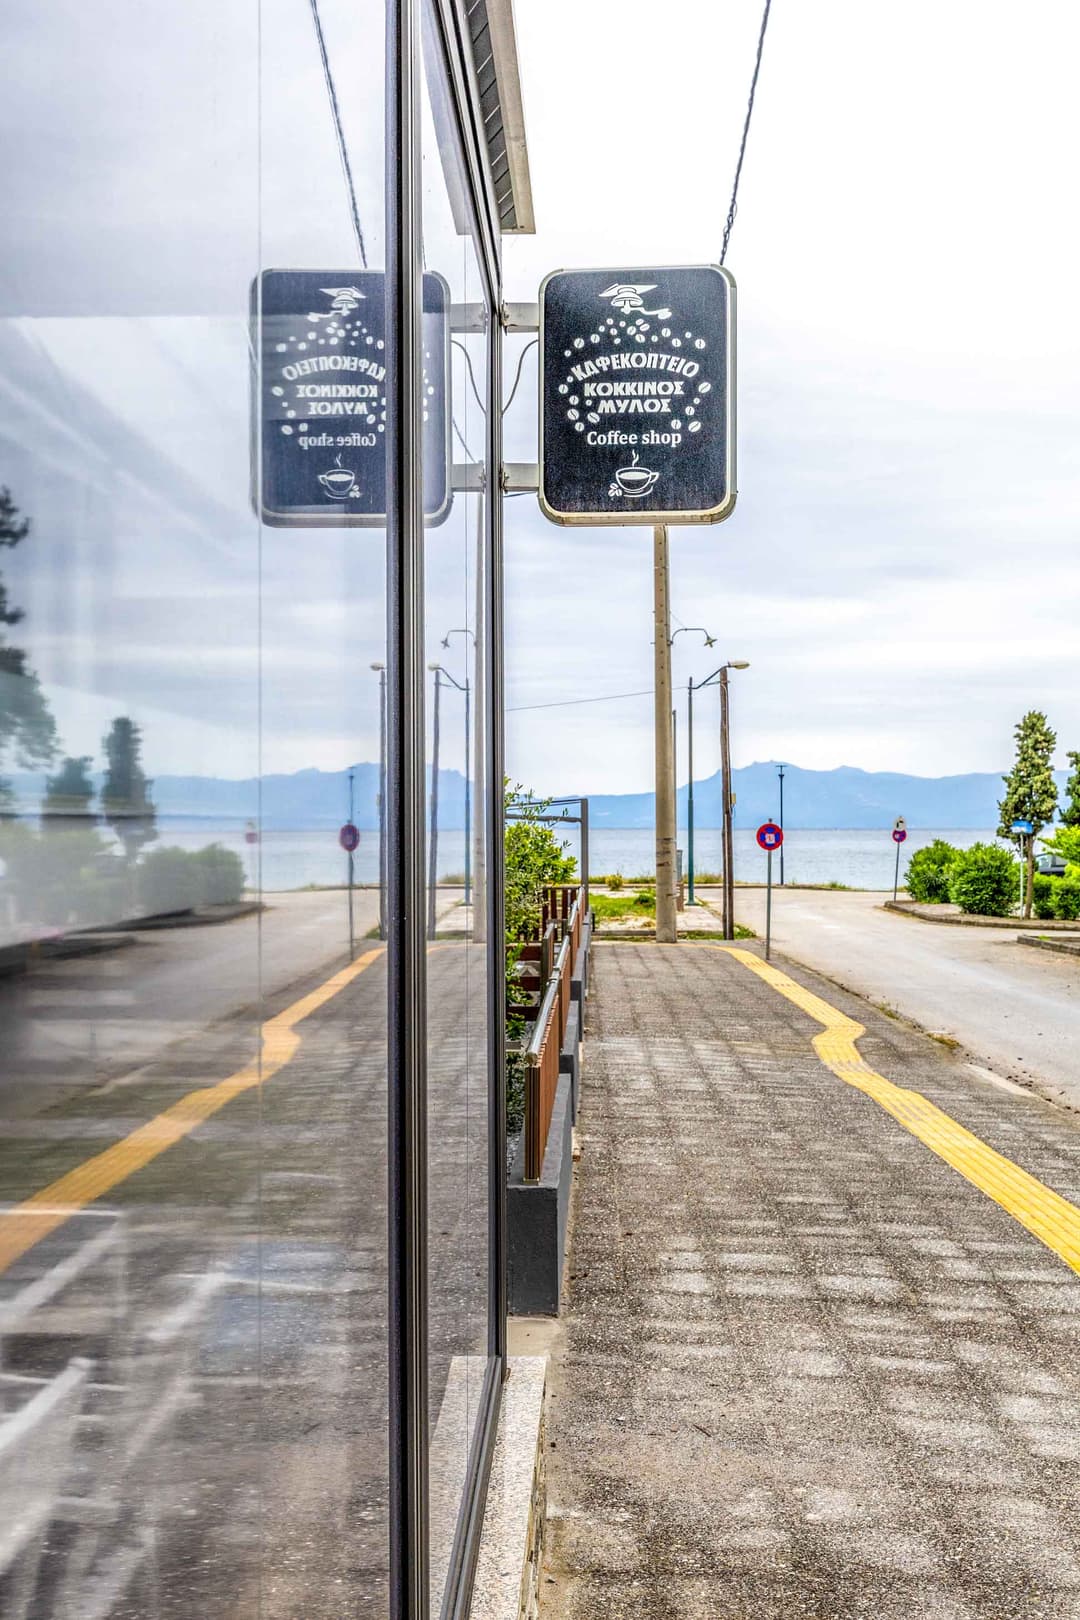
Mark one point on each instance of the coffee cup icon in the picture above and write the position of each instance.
(339, 482)
(635, 481)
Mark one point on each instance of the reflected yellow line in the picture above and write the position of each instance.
(26, 1223)
(1048, 1216)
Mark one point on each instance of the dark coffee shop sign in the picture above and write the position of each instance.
(320, 417)
(637, 408)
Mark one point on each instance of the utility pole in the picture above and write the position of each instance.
(352, 813)
(725, 788)
(381, 668)
(433, 839)
(468, 796)
(665, 763)
(780, 774)
(690, 792)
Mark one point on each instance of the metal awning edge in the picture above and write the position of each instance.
(503, 34)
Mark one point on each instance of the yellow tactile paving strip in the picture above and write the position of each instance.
(1051, 1218)
(25, 1224)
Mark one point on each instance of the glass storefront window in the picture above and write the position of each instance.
(201, 1327)
(193, 1280)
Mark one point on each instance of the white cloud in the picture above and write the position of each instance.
(902, 567)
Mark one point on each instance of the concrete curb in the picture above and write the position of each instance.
(1066, 947)
(912, 908)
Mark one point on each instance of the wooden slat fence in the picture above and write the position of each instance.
(549, 1031)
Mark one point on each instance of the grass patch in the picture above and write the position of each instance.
(884, 1007)
(615, 907)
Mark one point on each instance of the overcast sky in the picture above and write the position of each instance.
(902, 568)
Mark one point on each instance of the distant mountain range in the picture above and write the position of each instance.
(845, 797)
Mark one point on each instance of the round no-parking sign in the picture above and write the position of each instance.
(899, 834)
(349, 837)
(769, 835)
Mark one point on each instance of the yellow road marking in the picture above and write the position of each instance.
(23, 1226)
(1051, 1218)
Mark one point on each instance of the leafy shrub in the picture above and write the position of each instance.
(1044, 893)
(62, 877)
(645, 900)
(984, 881)
(534, 858)
(220, 874)
(1064, 841)
(167, 880)
(928, 872)
(615, 882)
(1066, 898)
(515, 1074)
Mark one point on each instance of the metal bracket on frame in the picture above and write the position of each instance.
(514, 317)
(515, 478)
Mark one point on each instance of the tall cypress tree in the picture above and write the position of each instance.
(125, 793)
(68, 793)
(1030, 791)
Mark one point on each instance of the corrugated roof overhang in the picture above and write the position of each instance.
(494, 47)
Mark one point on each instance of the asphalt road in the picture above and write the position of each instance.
(1014, 1010)
(65, 1022)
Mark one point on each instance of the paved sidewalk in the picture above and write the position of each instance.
(807, 1369)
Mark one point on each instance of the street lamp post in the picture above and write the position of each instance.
(690, 793)
(710, 641)
(433, 837)
(721, 675)
(352, 814)
(780, 774)
(381, 668)
(467, 689)
(725, 789)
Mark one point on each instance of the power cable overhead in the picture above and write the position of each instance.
(733, 206)
(343, 149)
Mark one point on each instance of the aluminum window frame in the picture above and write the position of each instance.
(409, 1525)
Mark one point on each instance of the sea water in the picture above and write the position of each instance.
(861, 858)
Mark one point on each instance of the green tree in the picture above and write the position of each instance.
(125, 793)
(534, 859)
(68, 793)
(1030, 791)
(1070, 813)
(27, 728)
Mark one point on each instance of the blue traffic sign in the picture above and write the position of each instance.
(1021, 826)
(769, 835)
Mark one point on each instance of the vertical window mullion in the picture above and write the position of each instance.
(407, 1015)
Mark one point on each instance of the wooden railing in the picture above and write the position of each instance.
(545, 1045)
(563, 912)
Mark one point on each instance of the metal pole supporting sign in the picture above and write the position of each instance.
(349, 839)
(770, 837)
(899, 833)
